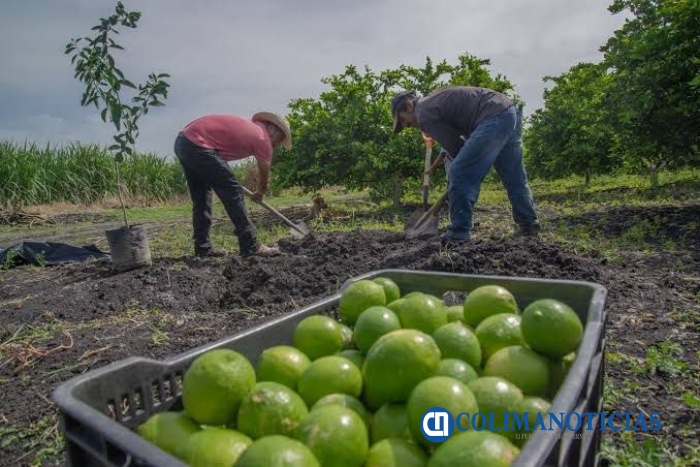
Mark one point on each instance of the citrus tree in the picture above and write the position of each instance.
(655, 96)
(345, 136)
(105, 84)
(571, 134)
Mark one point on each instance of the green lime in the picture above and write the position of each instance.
(455, 313)
(551, 327)
(391, 289)
(372, 324)
(354, 355)
(270, 409)
(438, 391)
(345, 400)
(421, 311)
(390, 421)
(496, 397)
(395, 453)
(558, 370)
(329, 375)
(216, 447)
(523, 367)
(396, 363)
(486, 301)
(498, 331)
(528, 409)
(457, 369)
(348, 336)
(169, 430)
(318, 336)
(214, 385)
(455, 340)
(277, 451)
(282, 364)
(475, 449)
(336, 435)
(357, 297)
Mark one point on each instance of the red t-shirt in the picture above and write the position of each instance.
(234, 137)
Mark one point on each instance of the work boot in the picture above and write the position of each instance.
(449, 242)
(210, 253)
(261, 250)
(532, 230)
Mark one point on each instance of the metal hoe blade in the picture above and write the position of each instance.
(298, 230)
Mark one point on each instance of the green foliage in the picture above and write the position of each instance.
(345, 136)
(81, 174)
(571, 134)
(653, 97)
(638, 110)
(96, 68)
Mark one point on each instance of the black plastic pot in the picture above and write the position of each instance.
(129, 248)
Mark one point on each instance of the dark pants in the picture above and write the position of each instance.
(205, 171)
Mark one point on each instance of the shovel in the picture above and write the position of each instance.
(426, 180)
(426, 224)
(299, 230)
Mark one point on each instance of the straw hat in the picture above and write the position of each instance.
(278, 121)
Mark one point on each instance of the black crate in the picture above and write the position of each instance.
(100, 409)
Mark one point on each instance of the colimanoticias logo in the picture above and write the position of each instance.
(438, 424)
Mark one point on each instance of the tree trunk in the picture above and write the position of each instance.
(654, 168)
(654, 178)
(587, 177)
(398, 191)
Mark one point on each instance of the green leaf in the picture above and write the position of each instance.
(116, 113)
(691, 400)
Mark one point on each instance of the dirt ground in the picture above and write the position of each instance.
(84, 316)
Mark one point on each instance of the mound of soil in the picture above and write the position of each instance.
(94, 317)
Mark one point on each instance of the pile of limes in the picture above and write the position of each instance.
(351, 391)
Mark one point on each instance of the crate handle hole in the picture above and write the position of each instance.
(125, 407)
(111, 409)
(155, 393)
(178, 382)
(138, 402)
(167, 390)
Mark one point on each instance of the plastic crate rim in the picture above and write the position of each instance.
(596, 287)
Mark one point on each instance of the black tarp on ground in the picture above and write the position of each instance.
(48, 254)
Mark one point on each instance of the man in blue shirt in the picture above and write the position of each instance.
(479, 128)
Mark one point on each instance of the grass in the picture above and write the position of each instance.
(652, 452)
(40, 441)
(81, 174)
(668, 361)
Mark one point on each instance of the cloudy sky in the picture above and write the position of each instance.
(241, 57)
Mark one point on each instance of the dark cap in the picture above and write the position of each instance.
(397, 103)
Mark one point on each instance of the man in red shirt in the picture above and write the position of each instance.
(204, 147)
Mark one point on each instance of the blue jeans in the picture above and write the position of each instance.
(496, 142)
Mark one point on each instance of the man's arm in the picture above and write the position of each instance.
(263, 179)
